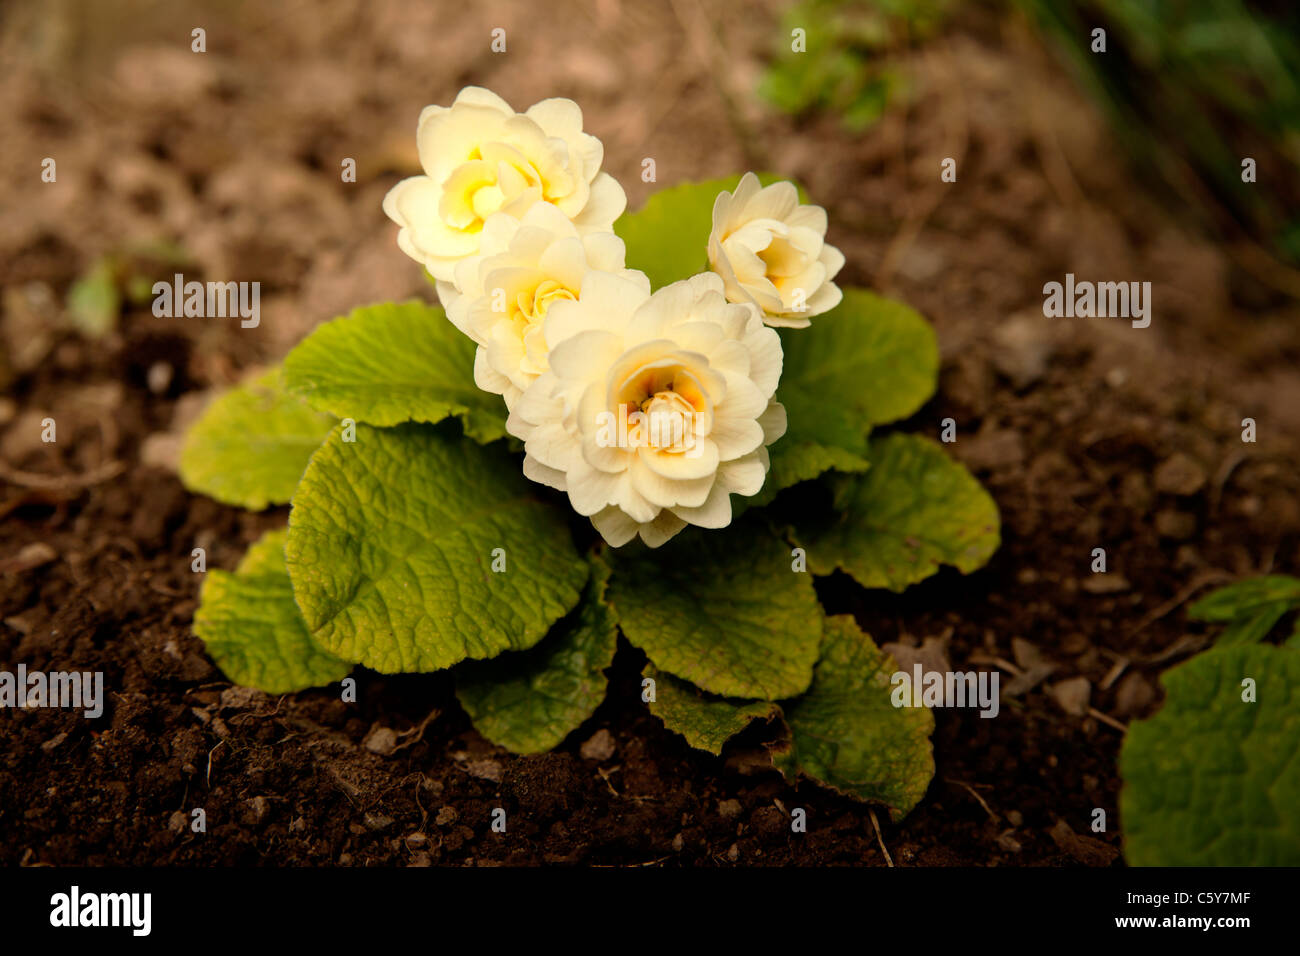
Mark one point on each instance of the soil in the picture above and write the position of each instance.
(1090, 434)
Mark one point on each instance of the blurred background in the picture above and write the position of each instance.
(1123, 165)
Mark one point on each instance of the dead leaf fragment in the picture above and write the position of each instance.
(1086, 850)
(1072, 695)
(30, 556)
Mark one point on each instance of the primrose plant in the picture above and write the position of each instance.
(1213, 778)
(656, 424)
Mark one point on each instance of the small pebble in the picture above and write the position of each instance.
(159, 377)
(381, 740)
(1179, 474)
(599, 747)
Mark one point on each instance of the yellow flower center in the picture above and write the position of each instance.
(492, 176)
(532, 306)
(670, 398)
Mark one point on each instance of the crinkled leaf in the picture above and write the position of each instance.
(252, 444)
(1212, 780)
(252, 629)
(392, 363)
(391, 542)
(846, 732)
(529, 701)
(668, 237)
(705, 720)
(722, 609)
(895, 524)
(800, 461)
(869, 361)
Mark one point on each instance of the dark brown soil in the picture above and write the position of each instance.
(1089, 433)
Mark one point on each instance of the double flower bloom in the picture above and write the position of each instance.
(514, 220)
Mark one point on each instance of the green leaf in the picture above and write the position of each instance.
(1251, 607)
(253, 630)
(1244, 598)
(1253, 627)
(252, 444)
(869, 361)
(706, 721)
(668, 237)
(796, 461)
(722, 609)
(529, 701)
(846, 732)
(392, 363)
(1212, 780)
(913, 511)
(95, 301)
(803, 461)
(391, 542)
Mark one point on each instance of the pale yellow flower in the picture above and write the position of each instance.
(507, 291)
(772, 251)
(480, 157)
(705, 368)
